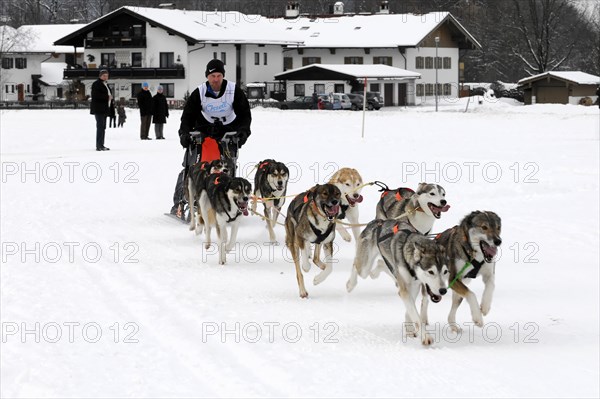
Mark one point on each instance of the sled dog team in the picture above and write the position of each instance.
(395, 243)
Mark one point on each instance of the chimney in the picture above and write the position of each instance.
(384, 8)
(292, 10)
(338, 8)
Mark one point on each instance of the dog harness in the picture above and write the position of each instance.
(229, 218)
(444, 237)
(296, 215)
(395, 230)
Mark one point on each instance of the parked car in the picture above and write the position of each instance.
(304, 102)
(374, 100)
(356, 100)
(343, 99)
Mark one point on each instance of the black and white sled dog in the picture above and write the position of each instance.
(222, 203)
(471, 247)
(270, 181)
(196, 183)
(420, 208)
(414, 261)
(311, 219)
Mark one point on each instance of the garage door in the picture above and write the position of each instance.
(552, 95)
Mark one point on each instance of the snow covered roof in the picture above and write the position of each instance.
(41, 38)
(350, 31)
(578, 77)
(376, 30)
(52, 73)
(344, 71)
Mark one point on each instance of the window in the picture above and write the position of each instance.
(338, 88)
(12, 88)
(419, 63)
(256, 58)
(20, 63)
(264, 58)
(7, 63)
(135, 89)
(447, 62)
(319, 88)
(374, 87)
(438, 62)
(214, 55)
(299, 89)
(447, 89)
(288, 63)
(59, 92)
(108, 59)
(224, 57)
(6, 89)
(382, 60)
(137, 30)
(353, 60)
(438, 89)
(429, 89)
(168, 89)
(310, 60)
(136, 59)
(428, 62)
(420, 90)
(167, 60)
(28, 89)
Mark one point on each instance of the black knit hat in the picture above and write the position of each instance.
(215, 66)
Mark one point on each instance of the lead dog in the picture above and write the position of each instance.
(311, 219)
(471, 247)
(414, 261)
(270, 182)
(222, 203)
(420, 208)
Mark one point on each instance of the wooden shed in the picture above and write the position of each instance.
(559, 87)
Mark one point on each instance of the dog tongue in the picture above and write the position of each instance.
(445, 208)
(245, 212)
(491, 251)
(334, 210)
(359, 199)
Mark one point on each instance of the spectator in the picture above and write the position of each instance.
(144, 99)
(99, 107)
(160, 112)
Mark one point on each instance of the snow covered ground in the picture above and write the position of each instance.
(103, 296)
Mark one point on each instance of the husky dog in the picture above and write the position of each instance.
(350, 183)
(414, 261)
(471, 247)
(222, 203)
(420, 208)
(197, 175)
(270, 181)
(311, 219)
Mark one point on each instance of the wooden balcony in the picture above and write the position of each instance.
(126, 73)
(116, 42)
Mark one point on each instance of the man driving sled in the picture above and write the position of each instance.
(213, 109)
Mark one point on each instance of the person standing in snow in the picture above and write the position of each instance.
(112, 114)
(144, 99)
(160, 112)
(99, 107)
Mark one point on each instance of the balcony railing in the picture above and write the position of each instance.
(127, 72)
(115, 41)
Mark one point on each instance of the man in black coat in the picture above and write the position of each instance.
(99, 107)
(214, 108)
(160, 112)
(144, 99)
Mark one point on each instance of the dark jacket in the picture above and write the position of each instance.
(160, 108)
(99, 104)
(144, 99)
(112, 110)
(192, 115)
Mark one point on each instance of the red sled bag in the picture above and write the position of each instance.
(210, 150)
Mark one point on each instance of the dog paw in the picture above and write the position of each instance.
(455, 328)
(485, 309)
(306, 267)
(427, 340)
(303, 294)
(478, 320)
(350, 285)
(207, 245)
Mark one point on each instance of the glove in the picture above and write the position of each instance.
(185, 139)
(243, 133)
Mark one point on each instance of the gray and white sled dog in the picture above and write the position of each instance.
(415, 262)
(270, 182)
(196, 183)
(222, 203)
(420, 208)
(471, 247)
(311, 219)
